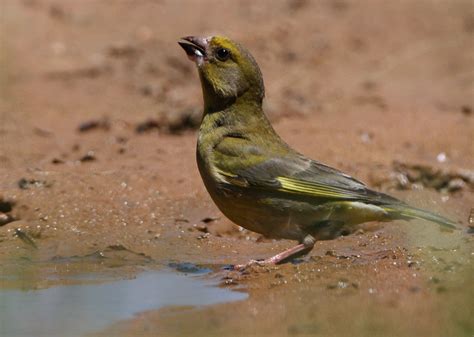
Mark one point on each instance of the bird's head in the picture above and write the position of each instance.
(227, 70)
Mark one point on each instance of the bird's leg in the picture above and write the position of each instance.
(303, 248)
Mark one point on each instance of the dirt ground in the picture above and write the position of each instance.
(99, 114)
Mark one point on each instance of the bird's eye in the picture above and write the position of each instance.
(222, 54)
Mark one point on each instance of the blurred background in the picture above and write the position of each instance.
(64, 62)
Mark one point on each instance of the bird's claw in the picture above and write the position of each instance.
(242, 267)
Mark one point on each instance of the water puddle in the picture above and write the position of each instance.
(76, 310)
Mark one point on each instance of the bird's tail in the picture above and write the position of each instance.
(408, 212)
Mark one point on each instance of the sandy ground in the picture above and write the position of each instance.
(99, 108)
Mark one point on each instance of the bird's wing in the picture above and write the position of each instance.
(297, 176)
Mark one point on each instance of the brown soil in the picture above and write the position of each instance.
(99, 108)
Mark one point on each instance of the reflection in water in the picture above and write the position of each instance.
(79, 309)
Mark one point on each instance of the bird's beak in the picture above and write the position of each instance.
(195, 47)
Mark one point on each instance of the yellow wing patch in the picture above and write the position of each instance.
(296, 186)
(312, 188)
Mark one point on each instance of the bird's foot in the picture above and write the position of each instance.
(242, 267)
(285, 256)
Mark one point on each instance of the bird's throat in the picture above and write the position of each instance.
(215, 101)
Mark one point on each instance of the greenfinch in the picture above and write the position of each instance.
(256, 179)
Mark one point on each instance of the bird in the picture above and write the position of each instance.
(256, 179)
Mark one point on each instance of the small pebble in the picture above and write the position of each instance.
(441, 157)
(5, 218)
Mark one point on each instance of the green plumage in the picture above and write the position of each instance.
(254, 177)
